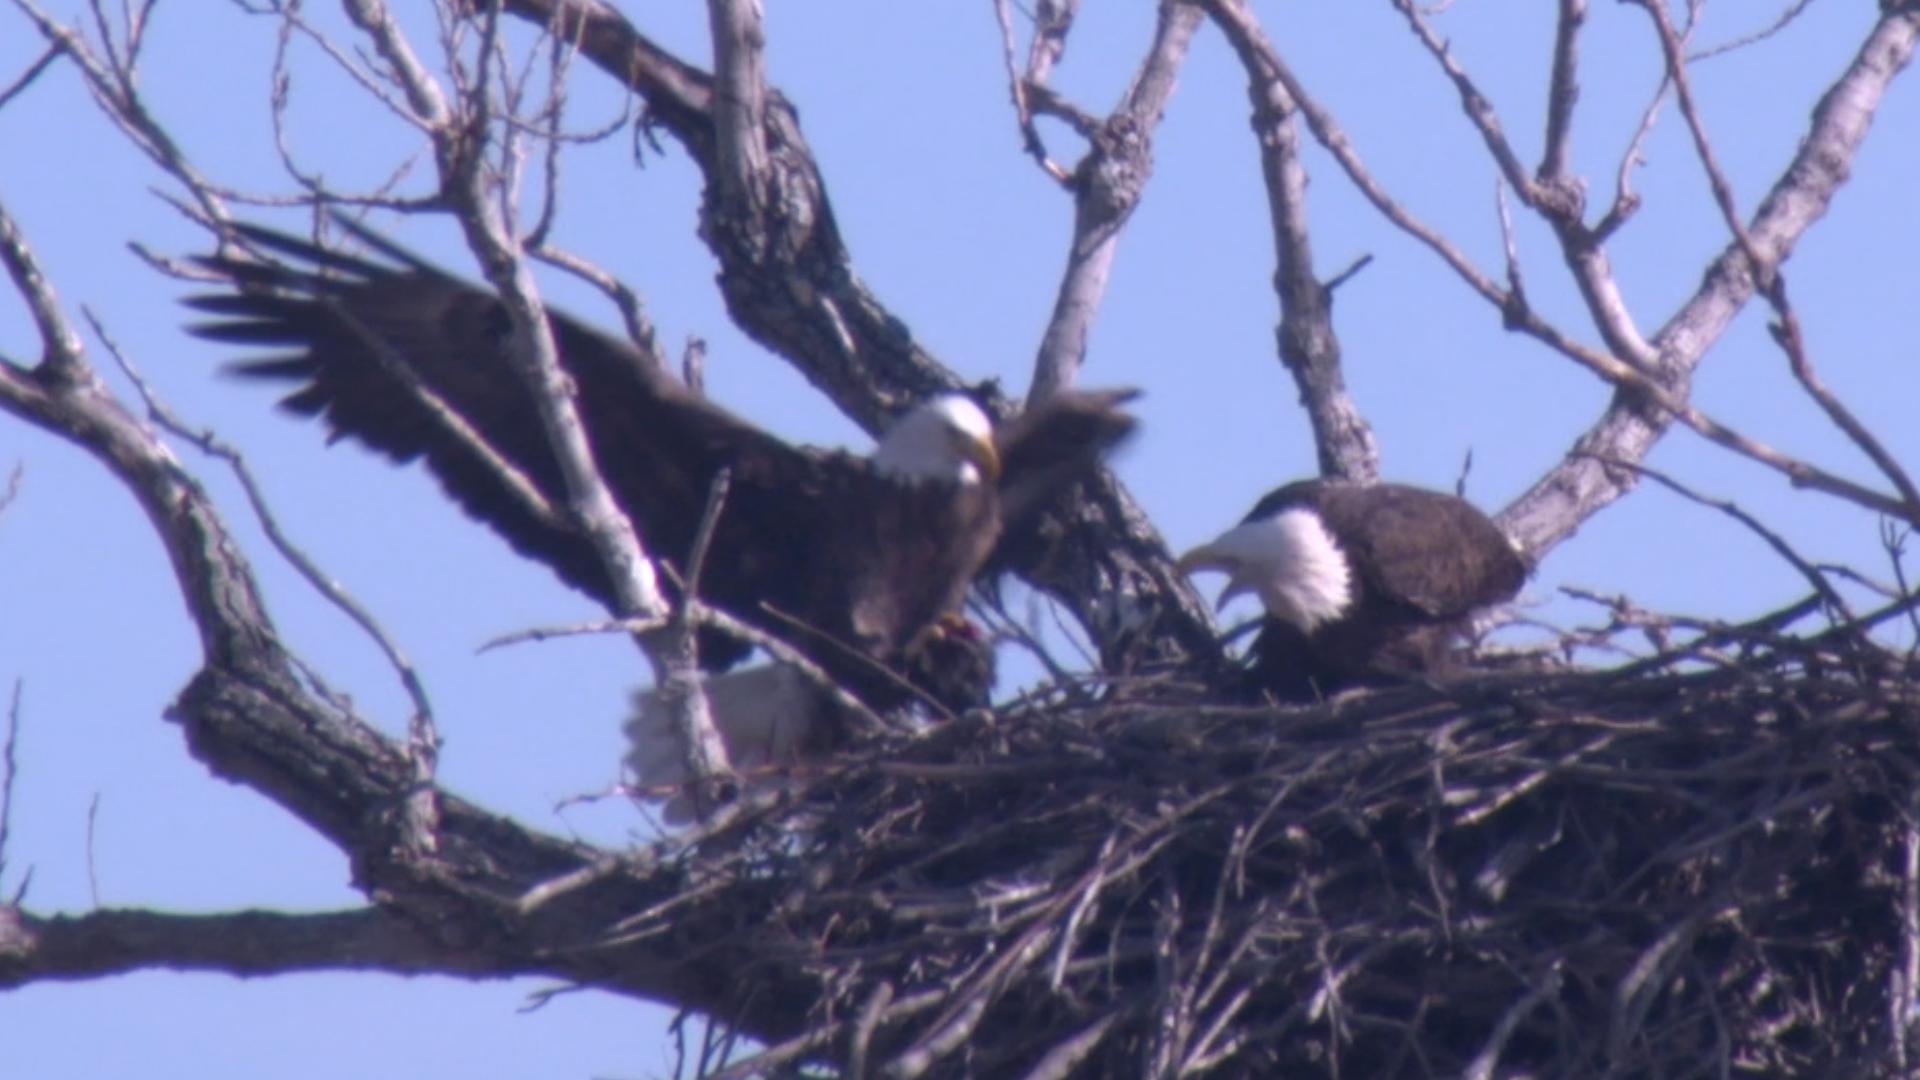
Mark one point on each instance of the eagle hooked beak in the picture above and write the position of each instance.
(979, 452)
(1210, 557)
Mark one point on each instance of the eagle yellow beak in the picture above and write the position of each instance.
(980, 452)
(1208, 557)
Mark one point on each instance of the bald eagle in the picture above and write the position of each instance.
(857, 562)
(1360, 582)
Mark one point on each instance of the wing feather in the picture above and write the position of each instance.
(818, 549)
(1429, 551)
(1055, 442)
(366, 330)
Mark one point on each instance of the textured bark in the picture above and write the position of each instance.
(110, 941)
(1307, 344)
(453, 878)
(1107, 185)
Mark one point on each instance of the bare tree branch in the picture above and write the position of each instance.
(1772, 282)
(423, 736)
(1651, 375)
(9, 773)
(1793, 11)
(1308, 346)
(740, 102)
(1563, 90)
(1107, 185)
(1821, 586)
(1049, 39)
(115, 85)
(1579, 486)
(26, 78)
(14, 478)
(118, 941)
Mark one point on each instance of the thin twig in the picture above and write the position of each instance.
(1773, 539)
(163, 415)
(9, 772)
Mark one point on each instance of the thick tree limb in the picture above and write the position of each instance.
(116, 942)
(250, 719)
(1308, 346)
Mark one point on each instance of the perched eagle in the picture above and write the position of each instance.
(1361, 582)
(857, 562)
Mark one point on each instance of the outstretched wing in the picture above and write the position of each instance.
(1043, 452)
(362, 337)
(1056, 441)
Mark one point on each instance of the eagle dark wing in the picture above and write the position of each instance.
(819, 549)
(1043, 451)
(1054, 442)
(802, 534)
(1424, 561)
(1427, 551)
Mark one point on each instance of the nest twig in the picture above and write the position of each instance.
(1694, 871)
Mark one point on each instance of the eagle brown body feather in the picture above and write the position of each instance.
(1422, 564)
(818, 548)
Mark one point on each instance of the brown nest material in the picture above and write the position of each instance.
(1674, 870)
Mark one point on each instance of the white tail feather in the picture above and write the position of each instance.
(764, 715)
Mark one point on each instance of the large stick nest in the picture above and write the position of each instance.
(1675, 869)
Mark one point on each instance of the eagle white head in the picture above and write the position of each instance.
(1289, 559)
(947, 438)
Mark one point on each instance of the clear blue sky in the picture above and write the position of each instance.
(956, 230)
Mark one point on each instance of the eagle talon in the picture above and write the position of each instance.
(953, 626)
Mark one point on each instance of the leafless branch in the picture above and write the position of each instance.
(703, 752)
(1772, 538)
(60, 358)
(1018, 88)
(33, 71)
(1893, 540)
(1556, 197)
(14, 477)
(1052, 22)
(1786, 331)
(1793, 11)
(114, 83)
(10, 766)
(119, 941)
(1107, 185)
(633, 311)
(1563, 91)
(318, 579)
(1651, 374)
(1580, 485)
(1772, 283)
(468, 189)
(1625, 201)
(1479, 109)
